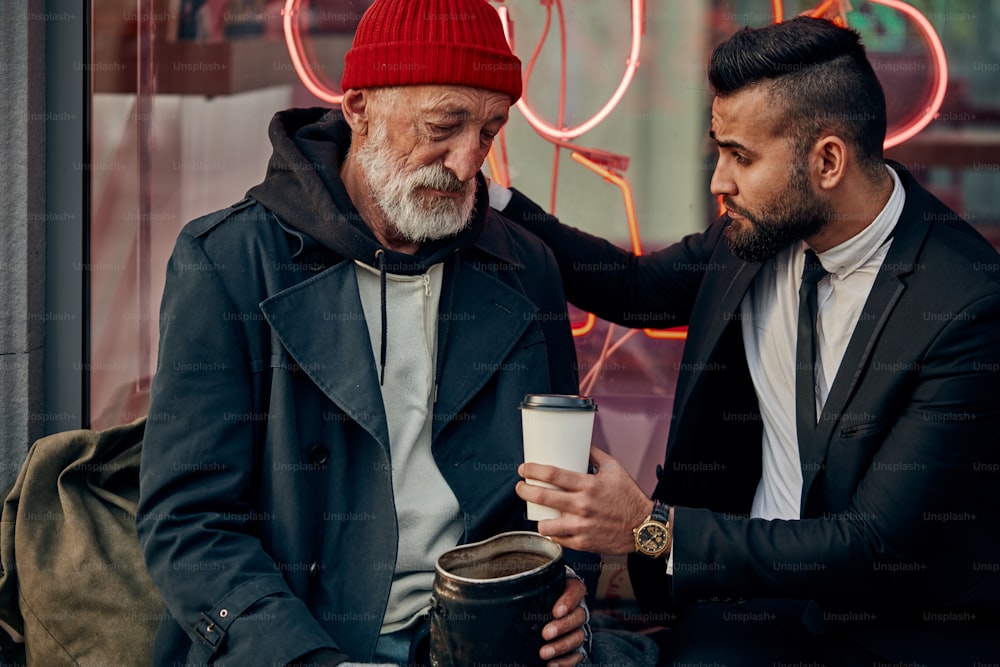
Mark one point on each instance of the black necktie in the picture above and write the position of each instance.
(805, 349)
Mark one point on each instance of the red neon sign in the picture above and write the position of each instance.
(602, 163)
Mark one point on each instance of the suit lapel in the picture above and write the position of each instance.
(721, 314)
(881, 300)
(889, 286)
(321, 324)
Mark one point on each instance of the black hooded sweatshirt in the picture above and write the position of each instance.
(303, 189)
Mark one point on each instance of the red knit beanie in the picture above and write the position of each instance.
(449, 42)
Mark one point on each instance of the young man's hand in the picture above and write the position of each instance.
(599, 511)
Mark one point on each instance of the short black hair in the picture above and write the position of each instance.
(820, 73)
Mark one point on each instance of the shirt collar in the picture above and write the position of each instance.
(846, 258)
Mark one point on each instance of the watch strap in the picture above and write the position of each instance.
(661, 512)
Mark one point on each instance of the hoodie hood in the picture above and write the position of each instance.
(303, 189)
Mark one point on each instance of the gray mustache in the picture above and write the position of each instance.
(439, 178)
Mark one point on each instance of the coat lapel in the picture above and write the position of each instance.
(321, 323)
(881, 300)
(723, 313)
(318, 321)
(485, 320)
(888, 288)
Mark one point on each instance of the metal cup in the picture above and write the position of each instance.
(492, 598)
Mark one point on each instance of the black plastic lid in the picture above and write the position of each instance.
(558, 402)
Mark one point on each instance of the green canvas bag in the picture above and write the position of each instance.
(74, 586)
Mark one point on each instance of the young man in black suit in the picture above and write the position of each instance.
(831, 489)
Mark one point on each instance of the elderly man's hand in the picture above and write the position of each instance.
(565, 634)
(598, 511)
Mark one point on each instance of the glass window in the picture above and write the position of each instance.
(184, 90)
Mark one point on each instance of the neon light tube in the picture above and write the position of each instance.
(497, 173)
(820, 10)
(293, 39)
(677, 333)
(554, 133)
(912, 128)
(940, 60)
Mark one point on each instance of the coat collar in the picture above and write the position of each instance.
(320, 321)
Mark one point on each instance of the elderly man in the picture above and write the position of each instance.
(342, 358)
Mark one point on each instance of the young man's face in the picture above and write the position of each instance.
(762, 178)
(424, 147)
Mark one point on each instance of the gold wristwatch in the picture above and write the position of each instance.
(652, 536)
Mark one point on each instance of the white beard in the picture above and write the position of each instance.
(417, 218)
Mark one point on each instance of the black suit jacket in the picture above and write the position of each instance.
(898, 540)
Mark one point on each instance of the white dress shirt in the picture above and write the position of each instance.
(769, 314)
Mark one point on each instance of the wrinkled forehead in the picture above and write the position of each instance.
(463, 102)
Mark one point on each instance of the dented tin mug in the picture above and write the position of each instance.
(492, 598)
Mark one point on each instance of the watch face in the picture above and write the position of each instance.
(652, 538)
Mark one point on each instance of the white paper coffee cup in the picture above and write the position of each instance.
(557, 429)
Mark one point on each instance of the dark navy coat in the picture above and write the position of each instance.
(266, 513)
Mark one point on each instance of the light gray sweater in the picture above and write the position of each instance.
(426, 509)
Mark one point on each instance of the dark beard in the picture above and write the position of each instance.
(802, 214)
(765, 240)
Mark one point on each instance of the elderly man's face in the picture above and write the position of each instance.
(424, 147)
